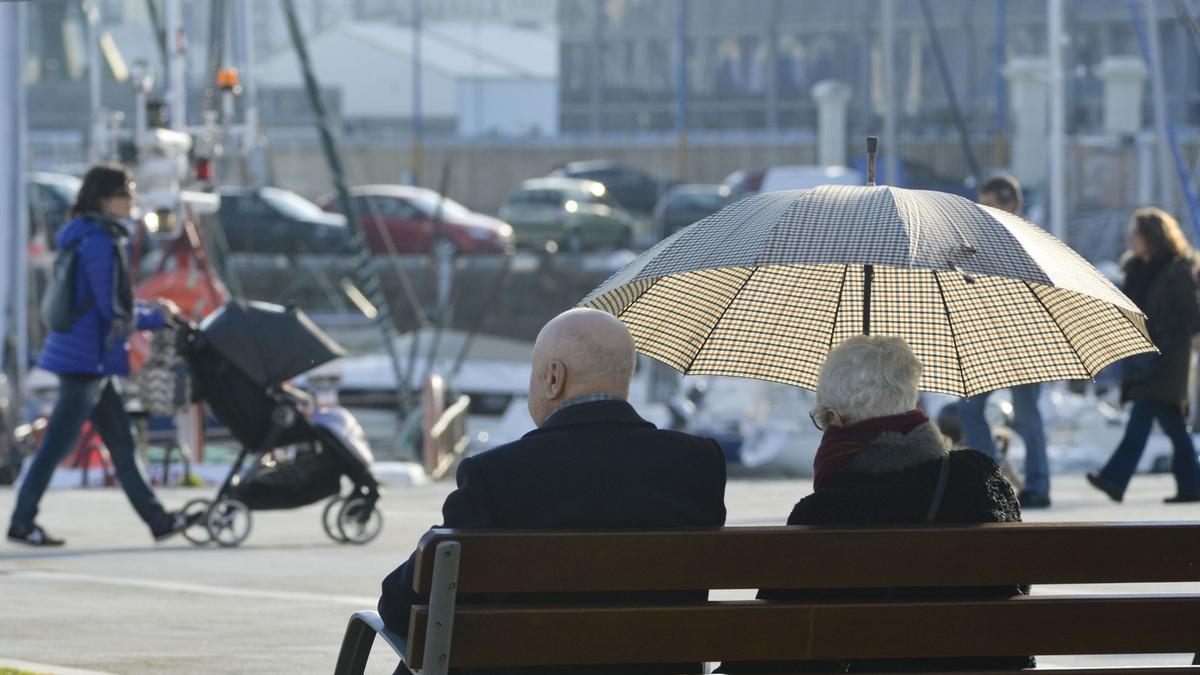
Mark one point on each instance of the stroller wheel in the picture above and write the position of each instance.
(228, 522)
(198, 532)
(359, 520)
(329, 520)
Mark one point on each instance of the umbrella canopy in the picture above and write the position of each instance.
(767, 286)
(269, 343)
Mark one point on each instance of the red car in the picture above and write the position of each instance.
(404, 219)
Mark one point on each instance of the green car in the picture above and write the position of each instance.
(567, 214)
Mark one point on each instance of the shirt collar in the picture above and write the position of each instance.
(579, 400)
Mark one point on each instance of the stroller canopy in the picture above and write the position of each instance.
(269, 343)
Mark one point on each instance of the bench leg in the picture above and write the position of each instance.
(356, 648)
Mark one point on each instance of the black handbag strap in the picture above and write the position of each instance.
(940, 491)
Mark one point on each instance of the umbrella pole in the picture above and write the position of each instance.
(869, 270)
(868, 278)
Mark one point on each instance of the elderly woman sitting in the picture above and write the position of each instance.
(881, 461)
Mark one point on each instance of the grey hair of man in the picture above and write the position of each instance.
(581, 352)
(866, 377)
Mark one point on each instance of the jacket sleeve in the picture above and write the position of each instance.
(149, 317)
(96, 259)
(464, 508)
(1185, 303)
(722, 479)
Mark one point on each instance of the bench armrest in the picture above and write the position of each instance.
(360, 636)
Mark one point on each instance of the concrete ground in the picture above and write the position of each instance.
(113, 601)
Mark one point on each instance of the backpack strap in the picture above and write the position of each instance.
(77, 314)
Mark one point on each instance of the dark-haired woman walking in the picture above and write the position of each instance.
(1160, 276)
(92, 353)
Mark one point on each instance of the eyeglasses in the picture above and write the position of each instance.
(812, 415)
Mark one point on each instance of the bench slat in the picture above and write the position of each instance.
(803, 557)
(748, 631)
(1101, 670)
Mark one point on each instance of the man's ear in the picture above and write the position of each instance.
(556, 379)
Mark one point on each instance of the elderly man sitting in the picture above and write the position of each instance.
(882, 462)
(591, 463)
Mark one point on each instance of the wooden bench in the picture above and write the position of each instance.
(445, 634)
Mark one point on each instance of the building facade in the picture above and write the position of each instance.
(751, 64)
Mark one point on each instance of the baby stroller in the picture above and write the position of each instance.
(240, 358)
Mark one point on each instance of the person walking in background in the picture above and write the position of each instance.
(90, 354)
(1160, 277)
(1004, 192)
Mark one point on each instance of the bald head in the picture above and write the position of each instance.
(579, 353)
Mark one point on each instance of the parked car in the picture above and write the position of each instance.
(50, 198)
(570, 213)
(686, 204)
(408, 219)
(796, 177)
(274, 220)
(633, 189)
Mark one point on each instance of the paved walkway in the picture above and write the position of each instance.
(113, 601)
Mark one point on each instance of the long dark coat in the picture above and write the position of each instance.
(1173, 317)
(592, 466)
(891, 482)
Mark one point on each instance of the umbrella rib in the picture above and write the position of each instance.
(639, 296)
(1061, 332)
(724, 310)
(962, 375)
(1135, 327)
(837, 307)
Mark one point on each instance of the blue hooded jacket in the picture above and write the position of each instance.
(98, 343)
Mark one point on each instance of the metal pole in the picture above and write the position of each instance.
(160, 34)
(246, 73)
(948, 83)
(1058, 188)
(1001, 85)
(769, 72)
(1168, 140)
(891, 150)
(1166, 194)
(597, 65)
(14, 210)
(96, 135)
(368, 277)
(176, 78)
(416, 93)
(681, 91)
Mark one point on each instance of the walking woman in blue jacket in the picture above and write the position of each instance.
(92, 354)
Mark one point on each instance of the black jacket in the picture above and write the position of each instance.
(592, 466)
(1173, 317)
(891, 482)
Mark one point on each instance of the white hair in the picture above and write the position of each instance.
(866, 377)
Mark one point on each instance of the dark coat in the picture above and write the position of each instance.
(592, 466)
(97, 343)
(1173, 317)
(891, 482)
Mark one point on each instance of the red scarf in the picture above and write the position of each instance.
(840, 444)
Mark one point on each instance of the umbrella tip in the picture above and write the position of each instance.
(872, 149)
